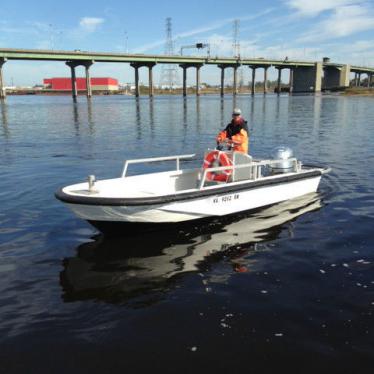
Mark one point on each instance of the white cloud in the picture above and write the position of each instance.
(315, 7)
(218, 24)
(360, 52)
(87, 26)
(90, 24)
(345, 21)
(293, 53)
(221, 45)
(149, 46)
(360, 46)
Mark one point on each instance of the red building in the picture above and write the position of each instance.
(64, 84)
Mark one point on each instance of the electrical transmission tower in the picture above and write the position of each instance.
(235, 38)
(169, 75)
(236, 48)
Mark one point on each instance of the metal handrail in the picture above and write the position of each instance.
(155, 159)
(255, 165)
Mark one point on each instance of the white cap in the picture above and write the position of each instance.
(237, 111)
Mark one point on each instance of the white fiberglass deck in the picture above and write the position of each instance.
(153, 184)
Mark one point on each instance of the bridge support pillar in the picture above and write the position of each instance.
(137, 82)
(185, 67)
(290, 90)
(368, 81)
(253, 83)
(136, 67)
(73, 64)
(2, 88)
(279, 82)
(345, 72)
(235, 78)
(74, 90)
(307, 78)
(265, 80)
(198, 80)
(331, 77)
(88, 82)
(184, 80)
(150, 80)
(358, 79)
(87, 66)
(235, 81)
(336, 77)
(222, 80)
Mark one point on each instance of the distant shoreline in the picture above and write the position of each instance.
(359, 91)
(351, 91)
(144, 91)
(61, 93)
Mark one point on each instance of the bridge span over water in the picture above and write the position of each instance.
(305, 76)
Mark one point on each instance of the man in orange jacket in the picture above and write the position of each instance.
(235, 133)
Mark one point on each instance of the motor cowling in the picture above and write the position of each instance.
(284, 154)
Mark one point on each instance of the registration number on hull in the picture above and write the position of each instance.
(225, 199)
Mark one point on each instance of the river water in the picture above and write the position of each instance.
(291, 286)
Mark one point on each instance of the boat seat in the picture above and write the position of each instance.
(244, 173)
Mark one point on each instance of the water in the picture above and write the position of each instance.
(291, 286)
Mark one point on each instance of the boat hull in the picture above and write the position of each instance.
(214, 205)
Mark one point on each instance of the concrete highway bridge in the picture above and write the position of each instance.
(304, 76)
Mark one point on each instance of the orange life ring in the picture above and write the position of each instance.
(223, 160)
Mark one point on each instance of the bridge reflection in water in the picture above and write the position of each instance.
(141, 268)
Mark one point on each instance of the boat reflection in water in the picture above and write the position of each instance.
(121, 269)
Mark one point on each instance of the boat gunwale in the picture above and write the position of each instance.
(191, 195)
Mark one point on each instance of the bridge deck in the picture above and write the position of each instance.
(32, 54)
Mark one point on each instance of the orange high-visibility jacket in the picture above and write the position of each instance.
(239, 139)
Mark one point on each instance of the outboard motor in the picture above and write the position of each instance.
(286, 165)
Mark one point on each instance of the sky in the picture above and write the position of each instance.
(299, 29)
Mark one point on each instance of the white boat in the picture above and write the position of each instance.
(185, 195)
